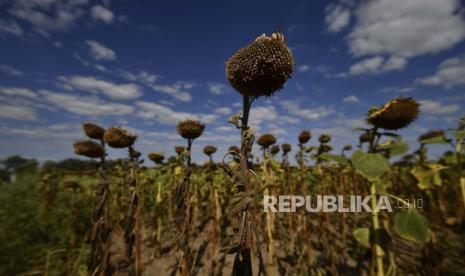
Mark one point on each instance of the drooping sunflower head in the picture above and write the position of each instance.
(286, 147)
(274, 149)
(134, 154)
(93, 131)
(396, 114)
(305, 136)
(190, 129)
(209, 150)
(325, 148)
(365, 137)
(89, 148)
(156, 157)
(324, 138)
(262, 67)
(116, 137)
(266, 140)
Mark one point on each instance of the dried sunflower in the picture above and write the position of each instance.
(179, 149)
(324, 138)
(266, 140)
(190, 129)
(89, 149)
(286, 147)
(274, 149)
(117, 137)
(156, 157)
(93, 131)
(209, 150)
(262, 67)
(305, 136)
(395, 114)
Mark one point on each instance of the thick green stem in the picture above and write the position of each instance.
(376, 228)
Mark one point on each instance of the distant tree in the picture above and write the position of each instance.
(15, 164)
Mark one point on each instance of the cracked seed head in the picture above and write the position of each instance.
(235, 149)
(395, 114)
(116, 137)
(89, 148)
(93, 131)
(262, 67)
(190, 129)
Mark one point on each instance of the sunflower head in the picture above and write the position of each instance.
(347, 148)
(235, 149)
(156, 157)
(365, 137)
(286, 147)
(305, 136)
(209, 150)
(179, 149)
(266, 140)
(190, 129)
(117, 137)
(93, 131)
(89, 148)
(326, 148)
(262, 67)
(395, 114)
(274, 149)
(324, 138)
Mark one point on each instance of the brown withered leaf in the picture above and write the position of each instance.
(239, 202)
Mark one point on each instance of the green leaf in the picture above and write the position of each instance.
(371, 166)
(436, 140)
(362, 235)
(335, 158)
(412, 225)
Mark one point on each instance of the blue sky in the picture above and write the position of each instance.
(145, 65)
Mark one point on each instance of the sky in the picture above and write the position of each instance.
(146, 65)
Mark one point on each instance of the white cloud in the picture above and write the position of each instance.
(90, 106)
(48, 16)
(9, 70)
(223, 110)
(100, 51)
(316, 113)
(437, 108)
(406, 28)
(450, 72)
(92, 84)
(143, 77)
(351, 99)
(303, 68)
(260, 114)
(10, 27)
(337, 17)
(217, 88)
(376, 65)
(18, 112)
(166, 115)
(177, 90)
(101, 13)
(289, 119)
(18, 91)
